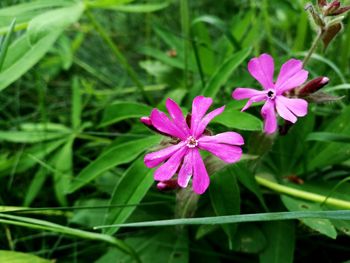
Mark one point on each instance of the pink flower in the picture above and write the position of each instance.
(291, 76)
(184, 158)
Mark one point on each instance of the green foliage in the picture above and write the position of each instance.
(76, 76)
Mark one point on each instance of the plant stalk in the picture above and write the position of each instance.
(313, 47)
(321, 199)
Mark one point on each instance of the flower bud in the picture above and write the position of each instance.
(314, 85)
(146, 121)
(316, 17)
(322, 3)
(167, 185)
(341, 10)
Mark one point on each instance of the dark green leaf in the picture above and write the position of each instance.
(115, 156)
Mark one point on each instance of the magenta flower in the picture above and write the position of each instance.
(184, 158)
(291, 76)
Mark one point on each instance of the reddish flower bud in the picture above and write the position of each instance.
(146, 121)
(341, 10)
(167, 185)
(322, 3)
(314, 85)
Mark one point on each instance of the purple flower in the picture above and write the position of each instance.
(184, 158)
(291, 76)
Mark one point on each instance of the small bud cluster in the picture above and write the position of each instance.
(328, 18)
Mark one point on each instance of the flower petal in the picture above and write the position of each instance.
(154, 159)
(169, 168)
(200, 175)
(162, 123)
(297, 106)
(232, 138)
(262, 68)
(177, 116)
(291, 76)
(269, 115)
(186, 170)
(227, 153)
(246, 93)
(205, 121)
(253, 99)
(284, 112)
(200, 106)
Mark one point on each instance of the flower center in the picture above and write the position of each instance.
(191, 142)
(271, 94)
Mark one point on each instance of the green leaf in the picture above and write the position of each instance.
(76, 104)
(115, 156)
(321, 154)
(27, 159)
(219, 24)
(324, 226)
(29, 137)
(280, 242)
(39, 224)
(328, 137)
(63, 163)
(259, 217)
(246, 177)
(35, 186)
(249, 239)
(124, 110)
(5, 44)
(26, 11)
(239, 120)
(140, 8)
(54, 21)
(131, 188)
(19, 257)
(168, 246)
(22, 56)
(222, 74)
(225, 198)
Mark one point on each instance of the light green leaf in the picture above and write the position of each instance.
(225, 198)
(120, 154)
(5, 44)
(19, 257)
(26, 11)
(280, 242)
(63, 164)
(124, 110)
(131, 188)
(258, 217)
(222, 74)
(39, 224)
(324, 226)
(239, 120)
(54, 21)
(29, 137)
(22, 56)
(140, 8)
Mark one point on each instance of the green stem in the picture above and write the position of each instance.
(184, 10)
(313, 47)
(122, 60)
(303, 194)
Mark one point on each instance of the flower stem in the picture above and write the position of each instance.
(321, 199)
(106, 38)
(313, 47)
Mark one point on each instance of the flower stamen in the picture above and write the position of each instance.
(271, 94)
(191, 142)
